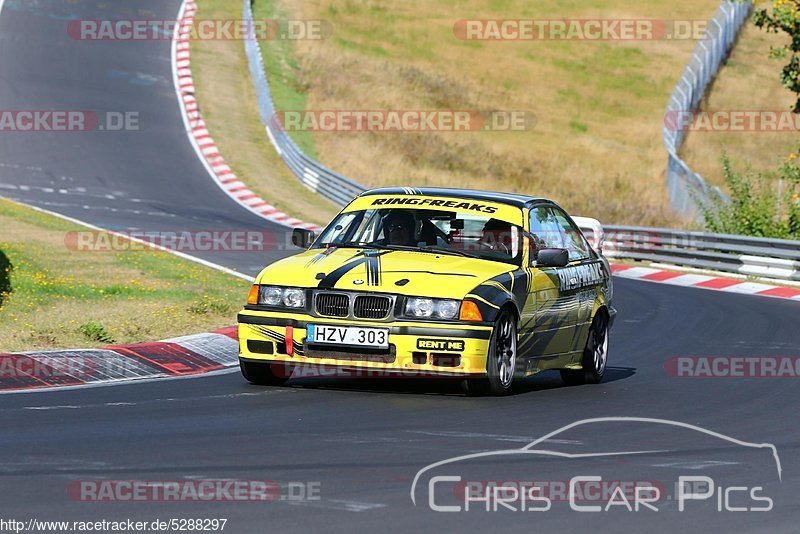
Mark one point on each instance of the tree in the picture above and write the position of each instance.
(785, 16)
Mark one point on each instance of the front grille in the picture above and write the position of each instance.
(372, 307)
(333, 305)
(313, 350)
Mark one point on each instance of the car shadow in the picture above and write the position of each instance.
(443, 386)
(552, 380)
(414, 386)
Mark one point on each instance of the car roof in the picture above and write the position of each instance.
(511, 199)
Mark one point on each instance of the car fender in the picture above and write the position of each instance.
(509, 289)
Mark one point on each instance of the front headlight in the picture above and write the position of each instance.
(294, 298)
(280, 296)
(271, 296)
(447, 309)
(426, 308)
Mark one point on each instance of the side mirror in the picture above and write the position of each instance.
(552, 257)
(302, 238)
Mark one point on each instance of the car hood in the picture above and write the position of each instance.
(383, 271)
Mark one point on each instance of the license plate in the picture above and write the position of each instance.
(348, 335)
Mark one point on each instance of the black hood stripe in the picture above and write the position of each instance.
(322, 255)
(370, 258)
(373, 265)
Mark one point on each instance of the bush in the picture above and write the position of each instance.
(761, 206)
(210, 306)
(5, 277)
(96, 332)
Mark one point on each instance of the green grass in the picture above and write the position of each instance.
(283, 72)
(352, 45)
(68, 299)
(578, 127)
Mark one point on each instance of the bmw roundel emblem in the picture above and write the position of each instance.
(358, 282)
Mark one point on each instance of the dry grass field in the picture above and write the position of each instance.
(596, 145)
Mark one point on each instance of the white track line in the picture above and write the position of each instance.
(123, 382)
(140, 241)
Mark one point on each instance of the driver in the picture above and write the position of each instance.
(398, 227)
(496, 236)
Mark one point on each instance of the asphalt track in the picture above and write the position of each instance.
(361, 441)
(149, 179)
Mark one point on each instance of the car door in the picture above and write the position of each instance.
(551, 328)
(583, 276)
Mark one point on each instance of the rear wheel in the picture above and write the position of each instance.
(265, 374)
(501, 361)
(595, 355)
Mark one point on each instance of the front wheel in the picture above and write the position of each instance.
(265, 374)
(501, 361)
(595, 355)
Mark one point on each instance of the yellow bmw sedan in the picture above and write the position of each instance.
(481, 286)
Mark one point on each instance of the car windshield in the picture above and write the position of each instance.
(434, 231)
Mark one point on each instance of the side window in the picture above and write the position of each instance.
(545, 230)
(343, 230)
(574, 241)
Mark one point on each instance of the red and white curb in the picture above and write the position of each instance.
(702, 281)
(171, 358)
(204, 144)
(205, 353)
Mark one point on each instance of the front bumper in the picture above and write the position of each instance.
(415, 348)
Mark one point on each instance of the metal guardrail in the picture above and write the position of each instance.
(754, 256)
(311, 173)
(685, 186)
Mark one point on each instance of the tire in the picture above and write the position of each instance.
(265, 374)
(500, 362)
(595, 355)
